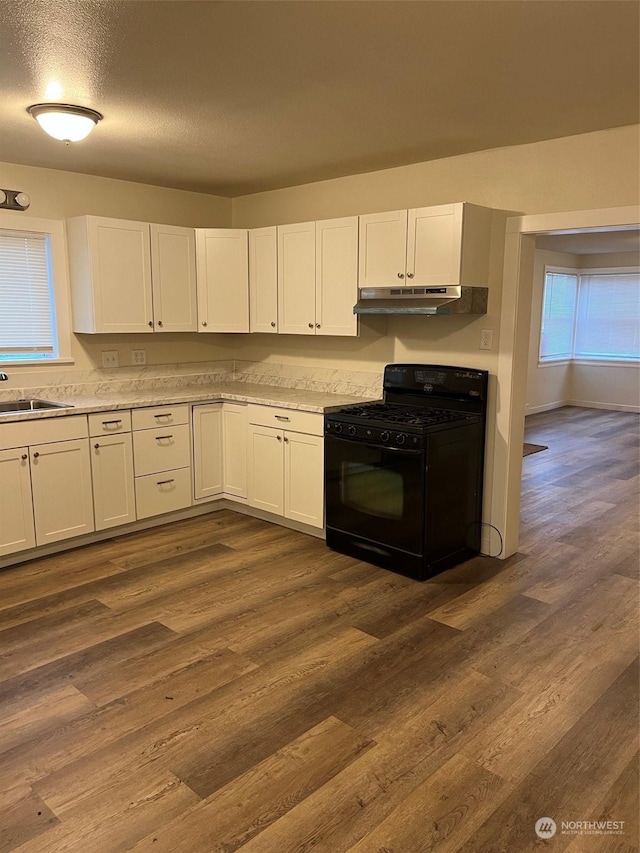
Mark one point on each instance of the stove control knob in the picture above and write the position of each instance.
(384, 436)
(338, 428)
(351, 429)
(401, 438)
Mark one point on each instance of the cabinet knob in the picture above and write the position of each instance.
(286, 440)
(410, 275)
(160, 323)
(25, 455)
(279, 437)
(35, 455)
(150, 324)
(400, 275)
(204, 322)
(311, 325)
(317, 325)
(97, 446)
(273, 325)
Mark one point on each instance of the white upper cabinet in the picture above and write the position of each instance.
(131, 276)
(383, 249)
(336, 276)
(318, 277)
(173, 276)
(222, 256)
(110, 266)
(447, 244)
(297, 278)
(263, 279)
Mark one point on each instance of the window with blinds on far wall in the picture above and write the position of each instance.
(27, 314)
(591, 315)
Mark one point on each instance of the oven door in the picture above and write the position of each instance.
(375, 493)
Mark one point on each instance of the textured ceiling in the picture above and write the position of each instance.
(235, 97)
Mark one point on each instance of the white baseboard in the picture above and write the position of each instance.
(546, 407)
(612, 407)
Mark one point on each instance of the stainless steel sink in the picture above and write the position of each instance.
(10, 407)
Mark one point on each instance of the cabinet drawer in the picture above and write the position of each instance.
(109, 423)
(166, 492)
(161, 449)
(291, 419)
(160, 416)
(43, 430)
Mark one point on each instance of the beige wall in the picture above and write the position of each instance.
(592, 170)
(59, 195)
(604, 386)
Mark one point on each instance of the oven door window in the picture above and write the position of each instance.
(374, 489)
(375, 492)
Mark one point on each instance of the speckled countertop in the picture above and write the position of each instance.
(230, 391)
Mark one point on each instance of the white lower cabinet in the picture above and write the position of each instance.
(62, 495)
(286, 467)
(114, 499)
(17, 531)
(161, 459)
(220, 451)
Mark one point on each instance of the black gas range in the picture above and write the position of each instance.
(404, 477)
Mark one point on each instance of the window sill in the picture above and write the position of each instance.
(36, 365)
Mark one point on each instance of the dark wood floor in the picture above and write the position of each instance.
(224, 683)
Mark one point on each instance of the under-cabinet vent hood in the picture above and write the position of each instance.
(447, 299)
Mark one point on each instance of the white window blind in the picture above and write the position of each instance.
(558, 313)
(608, 318)
(26, 299)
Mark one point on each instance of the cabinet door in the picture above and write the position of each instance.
(297, 278)
(383, 249)
(16, 511)
(434, 245)
(207, 451)
(336, 276)
(222, 256)
(173, 273)
(61, 481)
(266, 482)
(234, 453)
(120, 261)
(112, 478)
(263, 279)
(304, 478)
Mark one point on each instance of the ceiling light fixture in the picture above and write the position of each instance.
(64, 121)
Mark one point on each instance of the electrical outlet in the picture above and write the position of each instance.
(486, 338)
(110, 358)
(138, 356)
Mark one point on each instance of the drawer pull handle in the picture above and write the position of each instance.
(108, 423)
(164, 415)
(282, 418)
(163, 482)
(161, 437)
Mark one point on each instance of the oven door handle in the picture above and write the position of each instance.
(371, 446)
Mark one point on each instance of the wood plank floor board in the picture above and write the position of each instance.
(569, 782)
(252, 802)
(224, 683)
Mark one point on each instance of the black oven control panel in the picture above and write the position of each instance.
(374, 435)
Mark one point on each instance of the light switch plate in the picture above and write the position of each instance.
(110, 358)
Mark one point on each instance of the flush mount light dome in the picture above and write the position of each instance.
(65, 121)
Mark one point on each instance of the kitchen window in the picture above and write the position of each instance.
(590, 315)
(34, 313)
